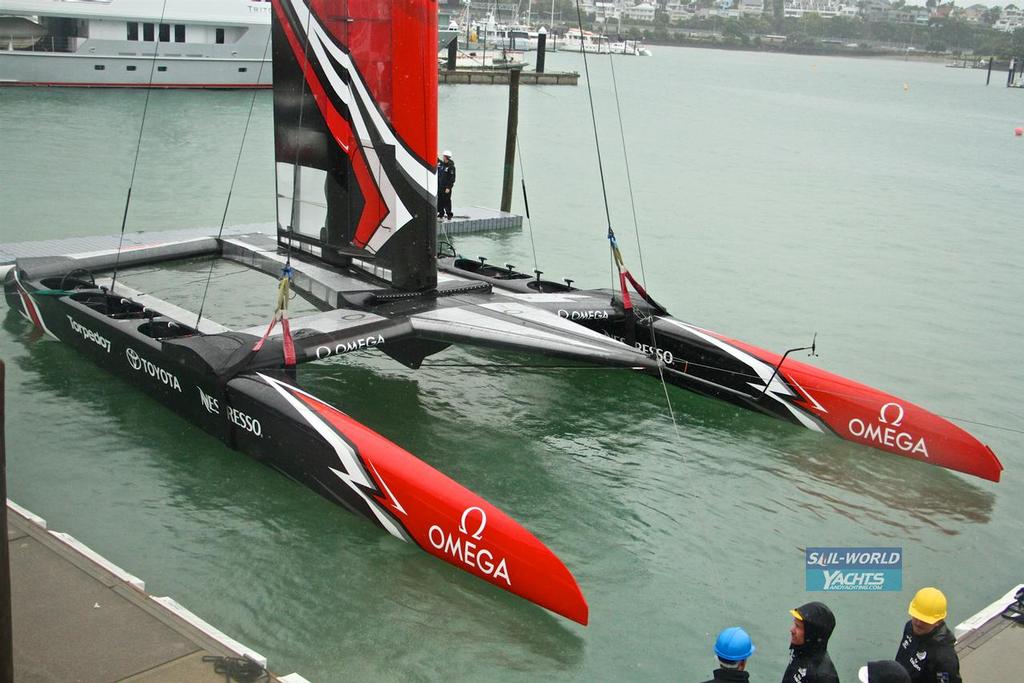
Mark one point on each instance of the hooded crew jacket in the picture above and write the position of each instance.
(810, 663)
(929, 658)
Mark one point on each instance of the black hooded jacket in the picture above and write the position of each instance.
(729, 676)
(929, 658)
(810, 663)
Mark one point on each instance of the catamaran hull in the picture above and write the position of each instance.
(265, 414)
(744, 375)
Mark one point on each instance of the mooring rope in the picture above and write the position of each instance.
(234, 176)
(526, 205)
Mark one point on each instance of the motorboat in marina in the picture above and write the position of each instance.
(575, 40)
(629, 47)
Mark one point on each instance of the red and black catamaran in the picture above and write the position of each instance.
(355, 111)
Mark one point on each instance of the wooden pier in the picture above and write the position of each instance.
(501, 77)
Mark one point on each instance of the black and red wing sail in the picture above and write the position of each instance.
(355, 126)
(416, 503)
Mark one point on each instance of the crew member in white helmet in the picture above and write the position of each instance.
(445, 183)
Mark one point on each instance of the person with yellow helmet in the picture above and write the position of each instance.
(926, 650)
(809, 661)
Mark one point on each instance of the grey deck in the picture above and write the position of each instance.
(993, 650)
(477, 219)
(101, 243)
(77, 617)
(468, 220)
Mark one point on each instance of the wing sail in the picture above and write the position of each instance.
(355, 128)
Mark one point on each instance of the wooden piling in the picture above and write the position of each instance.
(510, 140)
(542, 41)
(453, 53)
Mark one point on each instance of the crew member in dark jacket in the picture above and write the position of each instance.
(445, 183)
(732, 648)
(926, 650)
(809, 662)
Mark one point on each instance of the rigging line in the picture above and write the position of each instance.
(983, 424)
(629, 178)
(593, 118)
(298, 133)
(526, 203)
(138, 146)
(234, 177)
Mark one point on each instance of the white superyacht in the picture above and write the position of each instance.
(136, 43)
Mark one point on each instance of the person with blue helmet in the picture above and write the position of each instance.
(733, 647)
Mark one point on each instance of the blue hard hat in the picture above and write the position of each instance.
(734, 645)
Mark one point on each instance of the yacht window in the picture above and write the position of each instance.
(165, 33)
(99, 67)
(130, 67)
(242, 69)
(179, 33)
(147, 32)
(133, 30)
(161, 68)
(220, 36)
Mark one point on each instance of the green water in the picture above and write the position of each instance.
(876, 203)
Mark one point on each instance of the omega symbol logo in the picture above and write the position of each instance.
(483, 522)
(896, 412)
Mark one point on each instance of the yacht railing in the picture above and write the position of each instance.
(41, 44)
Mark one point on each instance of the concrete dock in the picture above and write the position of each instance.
(78, 617)
(990, 646)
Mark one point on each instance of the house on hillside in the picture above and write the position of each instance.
(823, 8)
(1010, 20)
(975, 14)
(751, 7)
(910, 14)
(678, 12)
(642, 12)
(876, 10)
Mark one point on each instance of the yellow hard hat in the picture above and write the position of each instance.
(928, 605)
